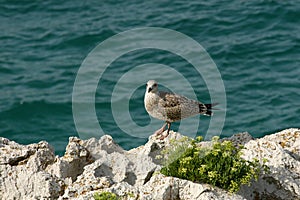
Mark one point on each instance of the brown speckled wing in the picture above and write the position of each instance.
(169, 100)
(171, 103)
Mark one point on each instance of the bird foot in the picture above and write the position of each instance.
(163, 136)
(159, 134)
(160, 131)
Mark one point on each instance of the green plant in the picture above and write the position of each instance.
(130, 195)
(106, 196)
(220, 164)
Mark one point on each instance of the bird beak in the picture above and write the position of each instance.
(149, 89)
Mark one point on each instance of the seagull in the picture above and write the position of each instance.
(171, 107)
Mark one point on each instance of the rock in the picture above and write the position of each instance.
(166, 188)
(282, 150)
(94, 166)
(84, 185)
(72, 163)
(239, 138)
(154, 146)
(125, 191)
(114, 163)
(105, 143)
(22, 171)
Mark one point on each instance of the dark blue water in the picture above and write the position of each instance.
(255, 45)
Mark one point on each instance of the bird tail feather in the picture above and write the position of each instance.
(206, 109)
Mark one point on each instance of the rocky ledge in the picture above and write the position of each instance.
(93, 166)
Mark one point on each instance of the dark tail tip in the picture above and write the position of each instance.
(206, 109)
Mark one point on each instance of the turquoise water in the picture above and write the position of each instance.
(255, 45)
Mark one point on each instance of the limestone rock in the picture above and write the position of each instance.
(93, 166)
(154, 146)
(105, 143)
(166, 188)
(113, 163)
(239, 138)
(282, 150)
(22, 174)
(72, 163)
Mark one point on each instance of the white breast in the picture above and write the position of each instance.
(152, 107)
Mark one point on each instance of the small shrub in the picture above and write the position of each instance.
(105, 196)
(220, 165)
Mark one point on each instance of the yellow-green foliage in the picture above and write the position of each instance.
(220, 165)
(112, 196)
(106, 196)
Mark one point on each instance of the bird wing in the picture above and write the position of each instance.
(171, 104)
(177, 107)
(169, 100)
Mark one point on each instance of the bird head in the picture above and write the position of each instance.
(152, 86)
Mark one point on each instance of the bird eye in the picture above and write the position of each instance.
(155, 85)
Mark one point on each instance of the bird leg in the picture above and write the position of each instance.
(164, 136)
(169, 126)
(161, 130)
